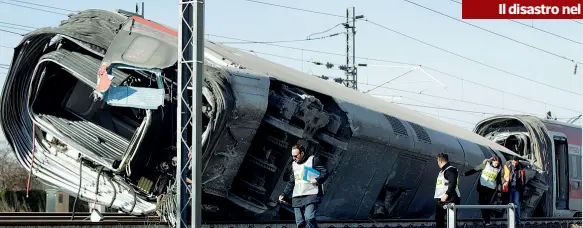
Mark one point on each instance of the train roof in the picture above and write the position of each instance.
(244, 61)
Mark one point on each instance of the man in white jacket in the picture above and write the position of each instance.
(306, 195)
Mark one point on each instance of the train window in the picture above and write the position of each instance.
(562, 173)
(575, 167)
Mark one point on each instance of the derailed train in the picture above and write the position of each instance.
(119, 141)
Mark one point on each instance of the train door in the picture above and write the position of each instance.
(575, 178)
(561, 173)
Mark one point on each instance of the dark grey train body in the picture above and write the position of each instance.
(375, 151)
(378, 154)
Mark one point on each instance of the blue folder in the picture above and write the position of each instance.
(310, 173)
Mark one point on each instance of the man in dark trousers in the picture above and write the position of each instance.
(306, 195)
(514, 182)
(490, 180)
(446, 188)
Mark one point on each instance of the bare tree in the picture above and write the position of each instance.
(12, 175)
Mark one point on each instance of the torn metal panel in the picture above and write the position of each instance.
(139, 45)
(143, 44)
(134, 97)
(533, 134)
(81, 66)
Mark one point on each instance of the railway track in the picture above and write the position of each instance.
(122, 220)
(33, 219)
(404, 223)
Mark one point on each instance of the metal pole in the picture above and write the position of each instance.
(197, 123)
(354, 73)
(511, 215)
(142, 9)
(451, 216)
(188, 111)
(347, 81)
(182, 114)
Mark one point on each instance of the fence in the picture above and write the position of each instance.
(452, 208)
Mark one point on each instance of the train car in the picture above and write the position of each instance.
(119, 150)
(553, 147)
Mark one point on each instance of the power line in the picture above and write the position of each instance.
(547, 32)
(288, 7)
(450, 109)
(282, 41)
(6, 47)
(578, 22)
(10, 27)
(434, 46)
(30, 3)
(445, 117)
(499, 90)
(17, 25)
(2, 30)
(495, 33)
(28, 7)
(412, 64)
(311, 50)
(452, 99)
(395, 78)
(328, 30)
(473, 60)
(327, 64)
(526, 25)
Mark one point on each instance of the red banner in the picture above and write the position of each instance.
(522, 9)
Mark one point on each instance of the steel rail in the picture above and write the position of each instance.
(117, 219)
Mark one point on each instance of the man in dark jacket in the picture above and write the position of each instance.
(490, 179)
(514, 182)
(446, 188)
(306, 191)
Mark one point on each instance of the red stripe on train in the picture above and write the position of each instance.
(574, 194)
(155, 25)
(573, 134)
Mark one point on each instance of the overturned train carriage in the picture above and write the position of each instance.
(120, 151)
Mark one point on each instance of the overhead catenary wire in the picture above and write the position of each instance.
(415, 64)
(305, 10)
(450, 109)
(492, 32)
(283, 41)
(392, 79)
(296, 59)
(325, 31)
(28, 7)
(2, 30)
(52, 7)
(19, 25)
(314, 51)
(451, 99)
(535, 28)
(431, 45)
(473, 60)
(11, 27)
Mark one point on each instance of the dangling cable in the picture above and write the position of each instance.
(97, 186)
(79, 190)
(32, 163)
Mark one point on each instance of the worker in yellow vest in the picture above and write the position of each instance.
(446, 188)
(305, 185)
(490, 180)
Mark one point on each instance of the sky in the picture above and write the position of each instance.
(467, 73)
